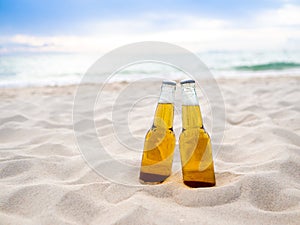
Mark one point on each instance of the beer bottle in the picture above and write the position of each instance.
(194, 142)
(160, 140)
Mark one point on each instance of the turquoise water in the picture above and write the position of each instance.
(62, 69)
(269, 66)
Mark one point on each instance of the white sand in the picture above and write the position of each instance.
(44, 179)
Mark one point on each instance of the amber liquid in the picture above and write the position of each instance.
(195, 150)
(159, 147)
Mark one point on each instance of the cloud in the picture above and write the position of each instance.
(287, 15)
(105, 35)
(269, 30)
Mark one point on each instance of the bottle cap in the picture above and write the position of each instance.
(169, 82)
(187, 81)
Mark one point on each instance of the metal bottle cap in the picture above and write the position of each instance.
(187, 81)
(169, 82)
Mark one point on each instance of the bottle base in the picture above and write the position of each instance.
(198, 184)
(150, 178)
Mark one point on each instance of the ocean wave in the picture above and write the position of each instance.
(268, 66)
(64, 69)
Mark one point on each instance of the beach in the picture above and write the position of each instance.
(44, 178)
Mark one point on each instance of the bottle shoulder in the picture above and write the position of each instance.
(160, 131)
(194, 132)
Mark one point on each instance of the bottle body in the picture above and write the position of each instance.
(194, 143)
(160, 140)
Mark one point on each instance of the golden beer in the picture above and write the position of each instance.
(194, 142)
(160, 140)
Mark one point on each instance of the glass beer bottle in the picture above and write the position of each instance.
(194, 142)
(160, 140)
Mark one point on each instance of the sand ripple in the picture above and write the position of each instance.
(44, 179)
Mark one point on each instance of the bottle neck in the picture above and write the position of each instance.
(165, 109)
(167, 94)
(189, 96)
(191, 117)
(191, 114)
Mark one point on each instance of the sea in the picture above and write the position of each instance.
(56, 69)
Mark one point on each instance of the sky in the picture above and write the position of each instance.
(99, 26)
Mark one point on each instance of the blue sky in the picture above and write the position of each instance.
(32, 25)
(59, 17)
